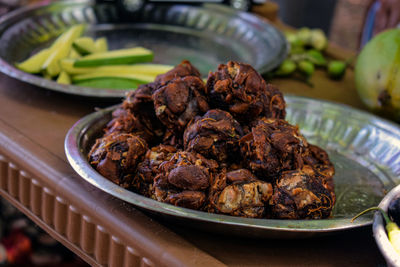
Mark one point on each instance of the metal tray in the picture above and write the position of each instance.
(364, 149)
(206, 35)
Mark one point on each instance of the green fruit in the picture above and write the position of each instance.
(306, 67)
(316, 57)
(304, 35)
(377, 74)
(336, 69)
(286, 68)
(318, 39)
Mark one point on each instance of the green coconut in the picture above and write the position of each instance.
(377, 74)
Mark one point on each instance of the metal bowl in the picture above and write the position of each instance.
(391, 256)
(364, 149)
(206, 35)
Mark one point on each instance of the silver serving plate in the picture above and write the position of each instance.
(364, 149)
(206, 35)
(391, 256)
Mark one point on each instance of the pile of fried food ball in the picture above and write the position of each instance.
(222, 146)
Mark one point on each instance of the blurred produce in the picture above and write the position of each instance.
(73, 59)
(377, 74)
(336, 69)
(306, 54)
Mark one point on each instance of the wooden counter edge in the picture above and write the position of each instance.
(30, 184)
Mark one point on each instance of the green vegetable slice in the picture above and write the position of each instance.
(110, 83)
(116, 57)
(64, 78)
(60, 49)
(148, 69)
(85, 45)
(34, 63)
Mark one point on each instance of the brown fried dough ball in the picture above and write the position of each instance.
(301, 194)
(239, 193)
(272, 146)
(179, 101)
(184, 180)
(185, 68)
(149, 168)
(117, 155)
(239, 89)
(214, 135)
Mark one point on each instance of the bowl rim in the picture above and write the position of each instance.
(391, 256)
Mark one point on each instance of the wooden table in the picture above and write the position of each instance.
(36, 178)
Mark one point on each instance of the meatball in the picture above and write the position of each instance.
(149, 168)
(185, 68)
(184, 180)
(272, 146)
(117, 155)
(214, 135)
(301, 194)
(239, 193)
(179, 101)
(239, 89)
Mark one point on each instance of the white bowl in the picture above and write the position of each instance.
(391, 256)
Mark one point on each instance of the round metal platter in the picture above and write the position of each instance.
(206, 35)
(364, 149)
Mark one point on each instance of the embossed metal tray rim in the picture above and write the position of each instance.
(7, 67)
(296, 228)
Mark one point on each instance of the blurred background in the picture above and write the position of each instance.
(342, 20)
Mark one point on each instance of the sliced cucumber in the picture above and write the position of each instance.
(64, 78)
(84, 45)
(60, 49)
(110, 83)
(116, 57)
(101, 45)
(141, 78)
(148, 69)
(34, 63)
(73, 54)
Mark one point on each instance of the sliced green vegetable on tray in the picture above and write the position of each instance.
(60, 49)
(110, 82)
(148, 68)
(116, 57)
(139, 78)
(35, 62)
(81, 60)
